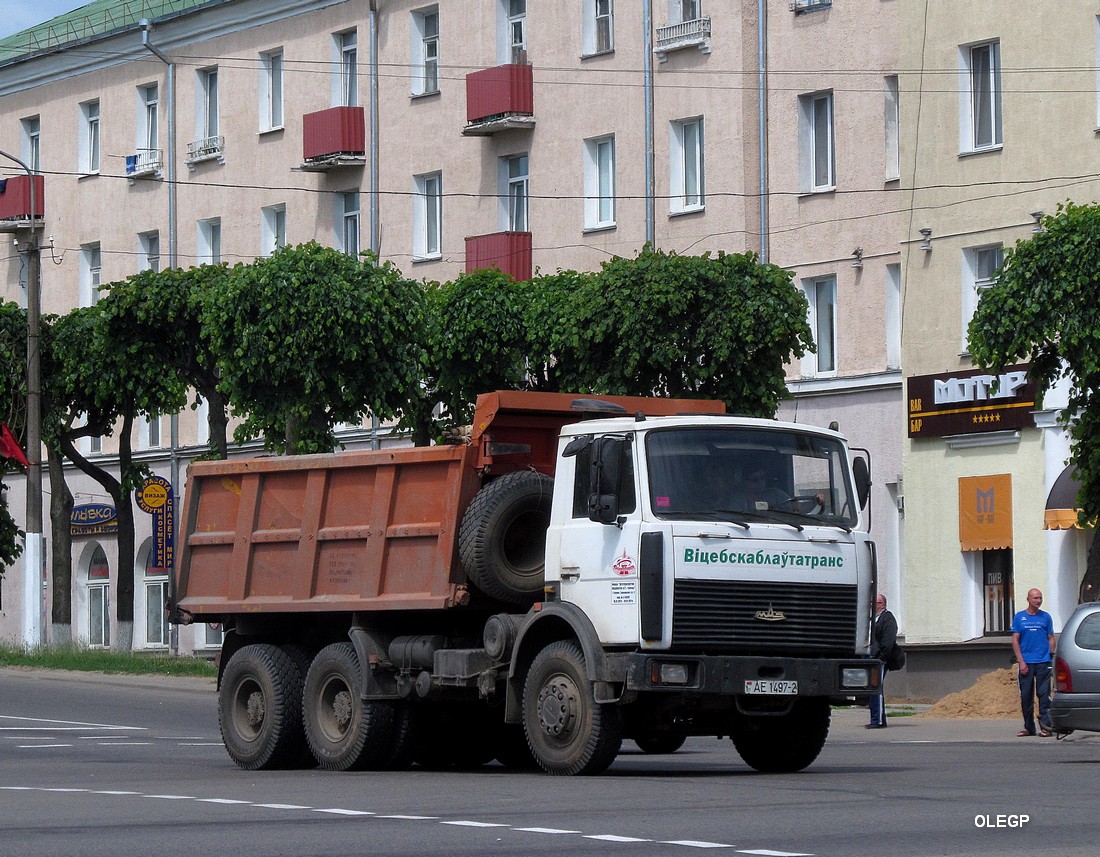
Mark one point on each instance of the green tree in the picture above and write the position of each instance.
(311, 337)
(13, 400)
(101, 381)
(161, 315)
(1043, 308)
(719, 327)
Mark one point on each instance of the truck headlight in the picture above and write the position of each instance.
(662, 672)
(855, 677)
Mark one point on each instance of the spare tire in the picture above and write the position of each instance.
(502, 540)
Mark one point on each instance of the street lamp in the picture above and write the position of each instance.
(34, 625)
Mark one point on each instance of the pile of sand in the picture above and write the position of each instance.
(995, 695)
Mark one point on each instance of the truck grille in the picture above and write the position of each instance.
(721, 615)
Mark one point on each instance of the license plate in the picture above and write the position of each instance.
(772, 687)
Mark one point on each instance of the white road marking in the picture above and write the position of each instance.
(342, 811)
(125, 743)
(65, 724)
(40, 746)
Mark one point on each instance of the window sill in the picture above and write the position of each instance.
(273, 130)
(415, 96)
(606, 53)
(985, 150)
(691, 209)
(433, 257)
(606, 227)
(88, 175)
(817, 191)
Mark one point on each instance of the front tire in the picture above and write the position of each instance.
(786, 743)
(344, 731)
(569, 733)
(260, 709)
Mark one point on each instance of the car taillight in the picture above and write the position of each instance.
(1062, 676)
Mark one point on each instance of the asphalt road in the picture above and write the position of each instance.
(104, 766)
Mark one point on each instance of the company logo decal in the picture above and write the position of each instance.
(771, 615)
(624, 565)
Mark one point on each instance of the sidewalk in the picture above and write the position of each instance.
(848, 724)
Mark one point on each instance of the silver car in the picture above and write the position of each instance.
(1076, 703)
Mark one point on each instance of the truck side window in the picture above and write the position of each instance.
(627, 495)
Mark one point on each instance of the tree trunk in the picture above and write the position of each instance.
(217, 421)
(1090, 585)
(61, 547)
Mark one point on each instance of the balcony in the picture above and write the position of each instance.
(206, 149)
(510, 252)
(15, 203)
(686, 34)
(499, 99)
(144, 163)
(333, 138)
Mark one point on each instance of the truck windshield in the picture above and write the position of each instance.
(749, 474)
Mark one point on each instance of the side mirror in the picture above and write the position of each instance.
(604, 479)
(862, 473)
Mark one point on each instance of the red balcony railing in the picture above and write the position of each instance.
(496, 93)
(508, 251)
(336, 131)
(15, 198)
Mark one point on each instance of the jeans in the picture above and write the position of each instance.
(876, 702)
(1035, 683)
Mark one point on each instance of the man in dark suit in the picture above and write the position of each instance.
(884, 636)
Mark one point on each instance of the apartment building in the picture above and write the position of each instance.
(452, 136)
(999, 118)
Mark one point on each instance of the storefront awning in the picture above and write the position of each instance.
(985, 512)
(1061, 511)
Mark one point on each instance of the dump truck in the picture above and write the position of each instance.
(574, 573)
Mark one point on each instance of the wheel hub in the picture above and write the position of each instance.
(558, 707)
(255, 710)
(341, 709)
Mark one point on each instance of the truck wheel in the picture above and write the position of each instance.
(344, 731)
(660, 743)
(785, 744)
(260, 709)
(502, 539)
(568, 731)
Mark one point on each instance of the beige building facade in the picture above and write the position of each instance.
(533, 136)
(999, 123)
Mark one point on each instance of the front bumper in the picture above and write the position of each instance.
(727, 675)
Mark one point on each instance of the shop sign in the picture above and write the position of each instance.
(970, 402)
(93, 519)
(154, 497)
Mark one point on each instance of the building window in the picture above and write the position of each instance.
(91, 273)
(148, 124)
(156, 597)
(686, 165)
(428, 216)
(980, 267)
(893, 316)
(684, 10)
(89, 137)
(821, 293)
(149, 251)
(99, 600)
(208, 103)
(348, 219)
(514, 179)
(599, 183)
(997, 592)
(213, 636)
(425, 51)
(271, 90)
(348, 80)
(981, 102)
(891, 120)
(272, 229)
(210, 241)
(30, 144)
(149, 436)
(516, 13)
(817, 168)
(598, 34)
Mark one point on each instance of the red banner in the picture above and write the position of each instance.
(9, 446)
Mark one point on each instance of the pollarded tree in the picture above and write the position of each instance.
(1043, 308)
(309, 338)
(160, 314)
(720, 327)
(101, 381)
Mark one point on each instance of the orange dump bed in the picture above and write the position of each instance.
(370, 530)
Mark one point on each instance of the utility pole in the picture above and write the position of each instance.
(34, 566)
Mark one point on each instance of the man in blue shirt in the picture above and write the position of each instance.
(1033, 643)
